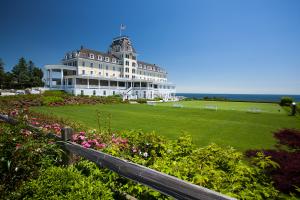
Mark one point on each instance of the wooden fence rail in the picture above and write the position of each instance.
(161, 182)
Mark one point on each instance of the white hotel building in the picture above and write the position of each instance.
(117, 72)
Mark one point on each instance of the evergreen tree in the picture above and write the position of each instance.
(2, 74)
(21, 74)
(37, 77)
(31, 66)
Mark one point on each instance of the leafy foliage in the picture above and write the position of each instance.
(23, 153)
(289, 137)
(63, 183)
(48, 100)
(287, 177)
(286, 101)
(23, 75)
(213, 167)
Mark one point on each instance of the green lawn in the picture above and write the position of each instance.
(223, 105)
(240, 129)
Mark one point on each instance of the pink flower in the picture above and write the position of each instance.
(100, 146)
(82, 133)
(134, 150)
(81, 137)
(74, 137)
(18, 146)
(14, 112)
(90, 141)
(26, 132)
(85, 144)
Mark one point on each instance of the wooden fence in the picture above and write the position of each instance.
(161, 182)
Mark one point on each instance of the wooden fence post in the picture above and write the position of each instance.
(66, 135)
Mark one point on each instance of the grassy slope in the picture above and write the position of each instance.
(239, 129)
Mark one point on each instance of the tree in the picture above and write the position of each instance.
(2, 74)
(35, 74)
(21, 75)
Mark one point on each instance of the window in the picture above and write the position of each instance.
(133, 71)
(106, 74)
(81, 92)
(83, 63)
(126, 69)
(127, 63)
(94, 92)
(92, 72)
(133, 64)
(104, 92)
(92, 64)
(106, 67)
(114, 75)
(126, 56)
(99, 57)
(114, 92)
(114, 68)
(133, 76)
(92, 56)
(99, 73)
(100, 66)
(114, 60)
(107, 59)
(127, 76)
(83, 71)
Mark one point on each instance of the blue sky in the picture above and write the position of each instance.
(212, 46)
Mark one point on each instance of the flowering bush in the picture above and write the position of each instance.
(22, 154)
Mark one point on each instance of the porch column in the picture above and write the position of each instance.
(61, 78)
(74, 79)
(88, 83)
(50, 78)
(98, 83)
(109, 87)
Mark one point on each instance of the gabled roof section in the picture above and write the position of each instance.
(151, 67)
(84, 52)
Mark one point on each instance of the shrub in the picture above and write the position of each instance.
(141, 100)
(286, 101)
(23, 153)
(157, 99)
(287, 177)
(63, 183)
(220, 169)
(57, 93)
(49, 100)
(289, 137)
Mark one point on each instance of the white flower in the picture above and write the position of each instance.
(145, 154)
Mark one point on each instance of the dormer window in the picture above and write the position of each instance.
(91, 56)
(114, 60)
(106, 59)
(99, 57)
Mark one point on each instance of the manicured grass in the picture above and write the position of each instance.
(226, 105)
(240, 129)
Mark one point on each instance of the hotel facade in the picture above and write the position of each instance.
(117, 72)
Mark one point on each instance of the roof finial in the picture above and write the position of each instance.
(122, 27)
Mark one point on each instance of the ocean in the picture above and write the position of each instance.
(242, 97)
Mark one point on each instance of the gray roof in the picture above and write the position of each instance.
(151, 67)
(84, 52)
